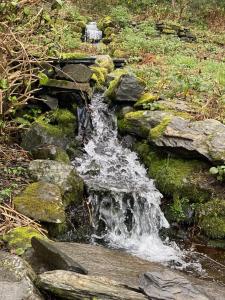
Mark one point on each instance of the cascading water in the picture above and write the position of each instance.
(126, 204)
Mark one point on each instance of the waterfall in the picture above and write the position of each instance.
(126, 203)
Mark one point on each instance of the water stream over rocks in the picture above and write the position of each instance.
(126, 204)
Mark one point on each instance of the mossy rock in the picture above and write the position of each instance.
(19, 239)
(62, 175)
(51, 152)
(105, 61)
(174, 176)
(145, 99)
(56, 128)
(158, 130)
(99, 76)
(41, 201)
(212, 218)
(73, 55)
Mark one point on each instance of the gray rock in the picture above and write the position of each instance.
(50, 101)
(125, 269)
(69, 285)
(168, 285)
(129, 89)
(77, 72)
(16, 278)
(38, 135)
(41, 201)
(202, 138)
(61, 174)
(55, 258)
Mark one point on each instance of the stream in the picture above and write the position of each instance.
(126, 203)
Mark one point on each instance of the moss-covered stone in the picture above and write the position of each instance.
(62, 175)
(41, 201)
(105, 61)
(212, 218)
(105, 22)
(158, 130)
(175, 177)
(19, 239)
(99, 76)
(73, 55)
(145, 99)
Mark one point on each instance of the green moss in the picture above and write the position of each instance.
(99, 76)
(130, 124)
(174, 176)
(110, 92)
(145, 99)
(62, 156)
(42, 202)
(73, 55)
(158, 131)
(43, 78)
(58, 123)
(212, 218)
(19, 239)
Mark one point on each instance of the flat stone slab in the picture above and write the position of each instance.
(69, 285)
(168, 285)
(163, 129)
(77, 72)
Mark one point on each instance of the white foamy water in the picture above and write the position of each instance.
(126, 203)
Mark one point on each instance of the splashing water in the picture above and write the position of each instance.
(126, 204)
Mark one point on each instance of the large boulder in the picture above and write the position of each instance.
(60, 174)
(125, 88)
(16, 278)
(68, 285)
(41, 201)
(163, 129)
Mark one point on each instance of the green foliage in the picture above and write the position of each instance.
(120, 15)
(219, 172)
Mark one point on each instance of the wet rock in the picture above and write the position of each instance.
(54, 258)
(77, 72)
(63, 175)
(168, 285)
(41, 201)
(163, 129)
(121, 267)
(128, 89)
(16, 278)
(19, 239)
(68, 285)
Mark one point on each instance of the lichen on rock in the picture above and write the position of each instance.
(19, 239)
